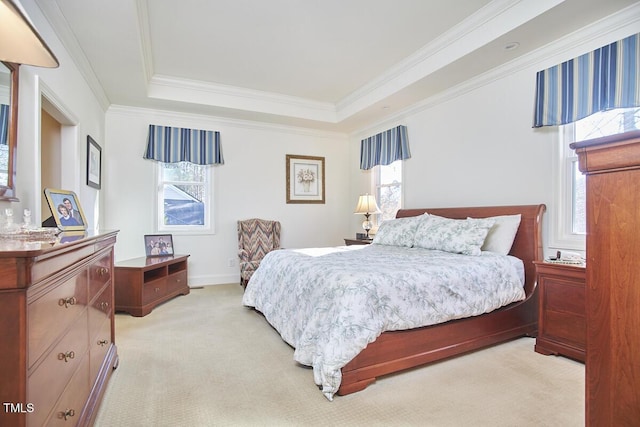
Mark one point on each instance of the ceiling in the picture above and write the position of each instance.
(334, 65)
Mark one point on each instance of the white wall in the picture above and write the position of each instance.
(250, 184)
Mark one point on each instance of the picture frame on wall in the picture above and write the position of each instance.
(158, 245)
(305, 179)
(65, 209)
(94, 163)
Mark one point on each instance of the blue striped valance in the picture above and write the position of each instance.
(171, 145)
(601, 80)
(4, 124)
(384, 148)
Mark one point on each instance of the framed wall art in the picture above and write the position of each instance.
(65, 209)
(305, 179)
(94, 163)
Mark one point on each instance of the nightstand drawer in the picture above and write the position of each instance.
(565, 327)
(563, 296)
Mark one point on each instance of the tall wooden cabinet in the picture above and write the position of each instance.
(612, 168)
(56, 329)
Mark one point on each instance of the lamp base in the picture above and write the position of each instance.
(367, 225)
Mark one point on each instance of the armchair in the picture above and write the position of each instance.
(256, 238)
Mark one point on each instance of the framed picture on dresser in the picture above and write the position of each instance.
(66, 210)
(158, 244)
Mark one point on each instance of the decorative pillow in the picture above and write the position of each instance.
(461, 236)
(397, 232)
(501, 235)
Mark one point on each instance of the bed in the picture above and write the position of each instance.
(290, 290)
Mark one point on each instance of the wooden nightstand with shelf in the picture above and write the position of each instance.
(561, 318)
(349, 241)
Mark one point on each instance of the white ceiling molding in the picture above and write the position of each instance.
(490, 22)
(57, 20)
(614, 27)
(197, 92)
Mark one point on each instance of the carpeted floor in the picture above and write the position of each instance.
(205, 360)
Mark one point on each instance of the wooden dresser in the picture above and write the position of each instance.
(56, 329)
(612, 168)
(143, 283)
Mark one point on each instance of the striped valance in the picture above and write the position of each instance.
(4, 124)
(171, 145)
(384, 148)
(601, 80)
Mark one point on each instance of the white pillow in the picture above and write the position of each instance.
(397, 232)
(501, 235)
(462, 236)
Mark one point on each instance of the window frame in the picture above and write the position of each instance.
(562, 234)
(207, 227)
(376, 185)
(564, 159)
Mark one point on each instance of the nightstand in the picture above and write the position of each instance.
(561, 311)
(350, 242)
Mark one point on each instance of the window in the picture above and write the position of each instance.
(184, 197)
(388, 189)
(570, 220)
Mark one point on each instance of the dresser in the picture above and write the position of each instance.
(612, 169)
(56, 329)
(561, 317)
(143, 283)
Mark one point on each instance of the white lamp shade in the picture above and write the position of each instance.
(20, 43)
(367, 205)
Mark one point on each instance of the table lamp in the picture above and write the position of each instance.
(366, 206)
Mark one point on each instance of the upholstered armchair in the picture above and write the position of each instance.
(256, 238)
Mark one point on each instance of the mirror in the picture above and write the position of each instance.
(8, 129)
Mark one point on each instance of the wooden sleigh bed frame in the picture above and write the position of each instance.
(395, 351)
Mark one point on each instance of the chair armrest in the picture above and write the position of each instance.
(243, 255)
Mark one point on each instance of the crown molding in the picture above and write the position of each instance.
(614, 27)
(495, 19)
(198, 92)
(200, 120)
(51, 11)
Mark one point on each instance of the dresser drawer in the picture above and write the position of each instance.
(99, 274)
(98, 347)
(153, 290)
(68, 408)
(51, 313)
(177, 281)
(49, 379)
(100, 309)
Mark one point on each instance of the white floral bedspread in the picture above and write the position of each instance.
(329, 304)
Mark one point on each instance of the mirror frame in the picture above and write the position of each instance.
(8, 192)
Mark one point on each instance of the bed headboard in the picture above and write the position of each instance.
(528, 242)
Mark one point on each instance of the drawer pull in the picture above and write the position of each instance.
(157, 289)
(104, 305)
(65, 415)
(66, 356)
(102, 343)
(67, 302)
(102, 271)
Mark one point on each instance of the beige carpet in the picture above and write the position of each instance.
(205, 360)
